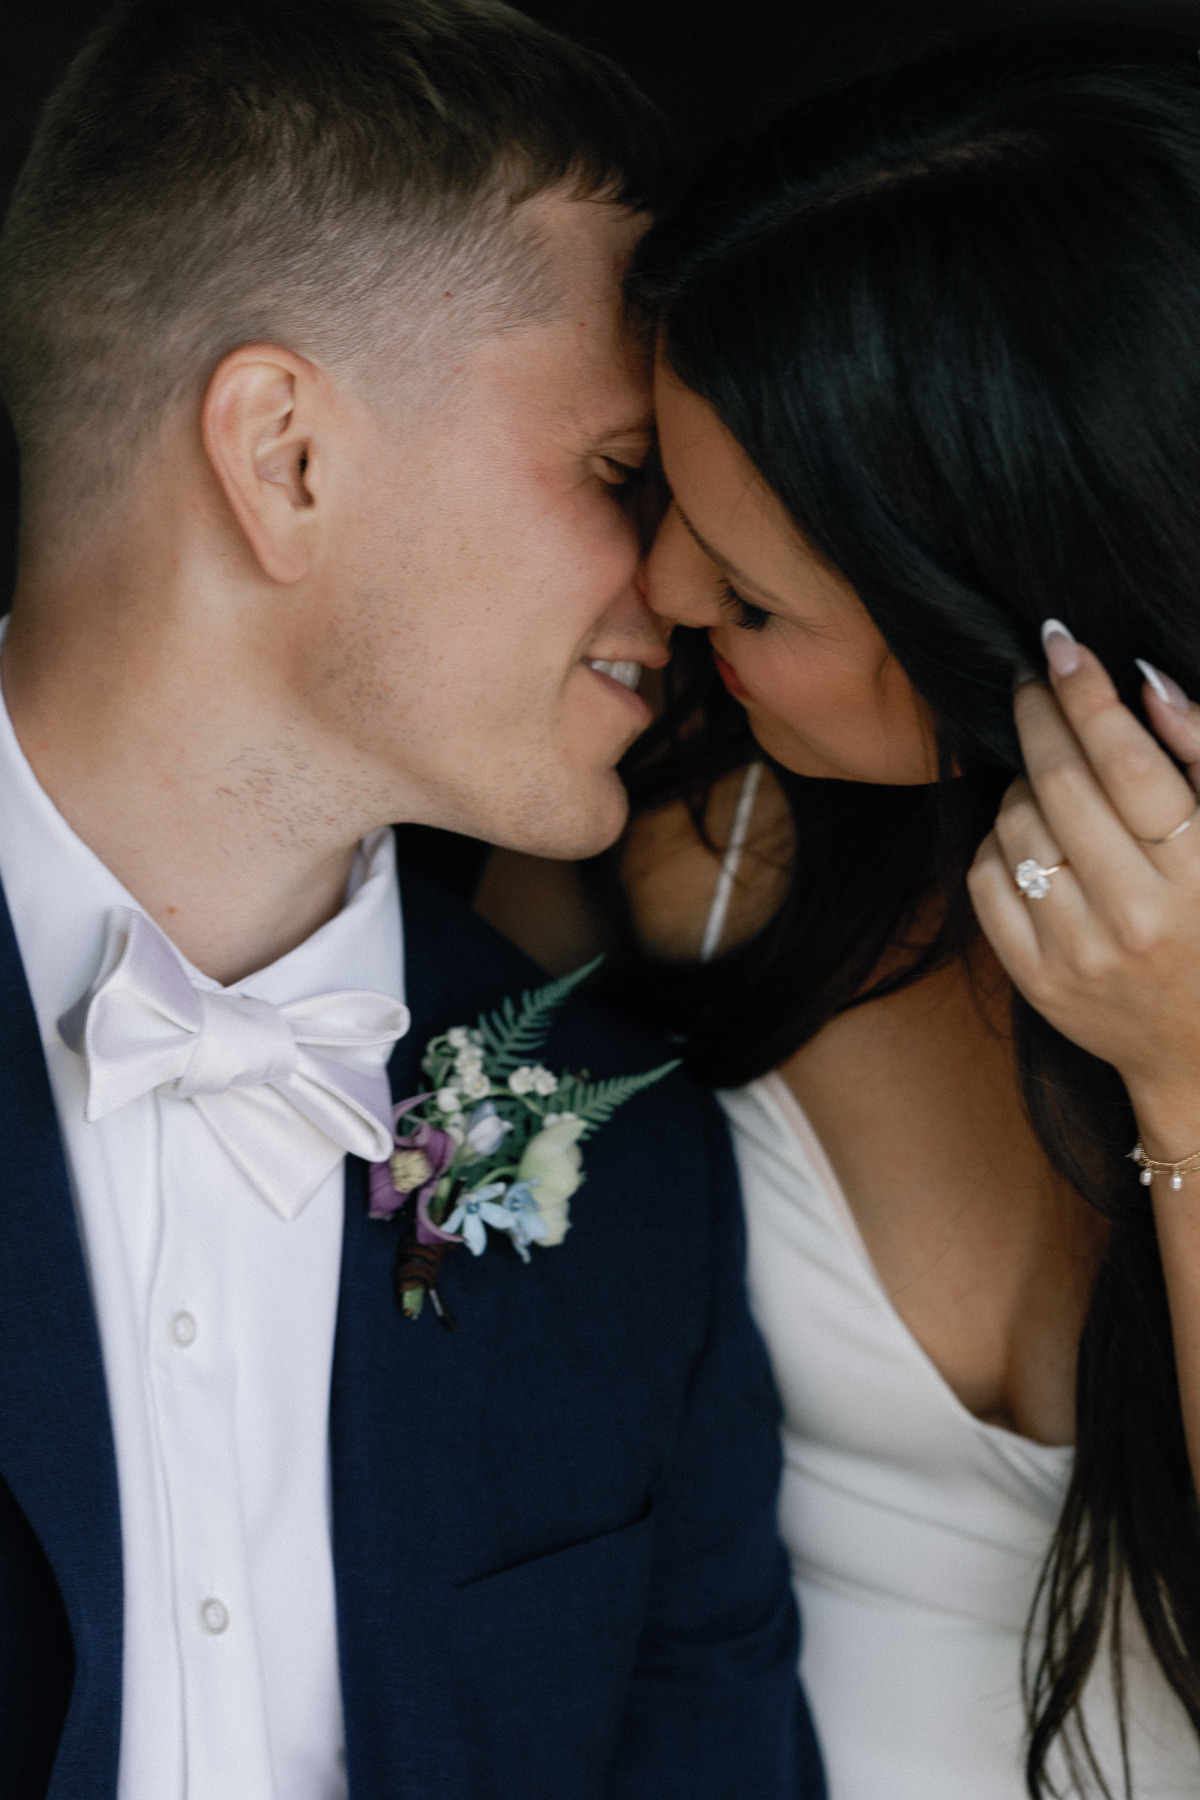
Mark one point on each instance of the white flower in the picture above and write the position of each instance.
(468, 1061)
(486, 1130)
(449, 1100)
(532, 1079)
(553, 1164)
(476, 1085)
(458, 1037)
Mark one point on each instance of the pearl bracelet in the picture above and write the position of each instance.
(1151, 1166)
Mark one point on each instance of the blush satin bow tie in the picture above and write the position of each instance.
(286, 1089)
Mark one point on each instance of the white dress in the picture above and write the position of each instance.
(916, 1531)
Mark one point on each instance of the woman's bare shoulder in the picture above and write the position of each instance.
(670, 875)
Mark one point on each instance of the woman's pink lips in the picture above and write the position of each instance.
(729, 676)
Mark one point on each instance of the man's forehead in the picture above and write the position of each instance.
(584, 230)
(605, 390)
(617, 412)
(611, 393)
(583, 364)
(588, 245)
(634, 427)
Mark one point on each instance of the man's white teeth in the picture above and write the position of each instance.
(627, 673)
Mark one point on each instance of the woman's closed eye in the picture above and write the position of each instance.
(746, 615)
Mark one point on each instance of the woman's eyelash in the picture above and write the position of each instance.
(748, 617)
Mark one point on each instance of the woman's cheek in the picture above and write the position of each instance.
(802, 695)
(817, 724)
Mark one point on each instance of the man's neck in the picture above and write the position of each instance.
(168, 754)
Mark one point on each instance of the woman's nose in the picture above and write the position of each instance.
(678, 580)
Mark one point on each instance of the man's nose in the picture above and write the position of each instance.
(646, 634)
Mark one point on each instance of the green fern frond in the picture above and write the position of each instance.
(511, 1038)
(595, 1102)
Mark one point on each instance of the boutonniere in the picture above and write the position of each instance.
(491, 1151)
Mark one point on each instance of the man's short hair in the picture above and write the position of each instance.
(315, 173)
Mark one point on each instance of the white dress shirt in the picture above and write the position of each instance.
(216, 1320)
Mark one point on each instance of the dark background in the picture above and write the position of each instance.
(715, 71)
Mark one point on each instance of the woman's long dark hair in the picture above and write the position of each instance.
(952, 314)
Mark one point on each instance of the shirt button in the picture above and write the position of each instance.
(213, 1617)
(183, 1329)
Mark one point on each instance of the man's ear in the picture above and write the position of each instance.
(258, 424)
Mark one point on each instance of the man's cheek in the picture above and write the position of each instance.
(591, 539)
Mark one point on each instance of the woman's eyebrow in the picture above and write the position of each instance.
(723, 562)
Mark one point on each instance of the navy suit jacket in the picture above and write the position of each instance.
(557, 1570)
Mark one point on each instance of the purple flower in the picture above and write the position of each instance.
(416, 1166)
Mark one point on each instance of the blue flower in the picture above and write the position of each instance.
(475, 1211)
(525, 1220)
(519, 1215)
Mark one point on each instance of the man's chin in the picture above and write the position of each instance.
(573, 827)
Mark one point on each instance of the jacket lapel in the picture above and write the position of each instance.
(56, 1449)
(405, 1400)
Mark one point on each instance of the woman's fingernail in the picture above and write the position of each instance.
(1062, 652)
(1164, 687)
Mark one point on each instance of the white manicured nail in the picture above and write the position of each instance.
(1062, 651)
(1163, 686)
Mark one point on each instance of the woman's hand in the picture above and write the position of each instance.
(1110, 955)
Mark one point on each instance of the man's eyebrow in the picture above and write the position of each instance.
(723, 562)
(633, 429)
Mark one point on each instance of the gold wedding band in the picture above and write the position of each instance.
(1178, 831)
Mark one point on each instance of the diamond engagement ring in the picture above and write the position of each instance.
(1033, 878)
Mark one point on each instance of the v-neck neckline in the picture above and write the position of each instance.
(778, 1095)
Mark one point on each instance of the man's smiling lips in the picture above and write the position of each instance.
(621, 679)
(629, 674)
